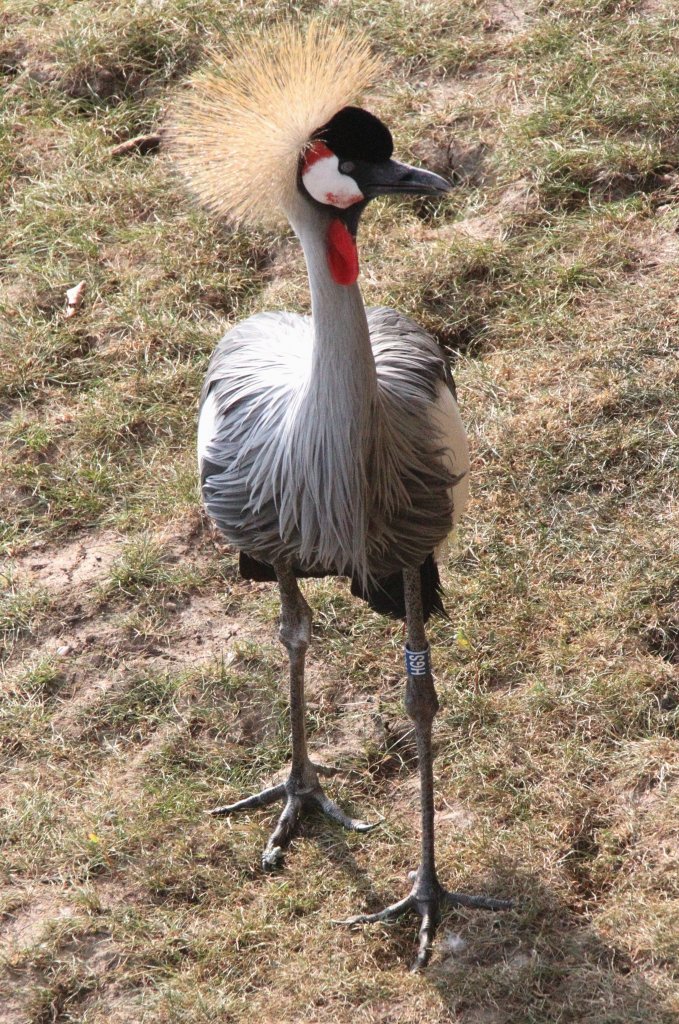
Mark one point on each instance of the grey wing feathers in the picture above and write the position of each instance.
(405, 353)
(411, 369)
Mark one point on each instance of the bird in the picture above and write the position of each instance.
(328, 444)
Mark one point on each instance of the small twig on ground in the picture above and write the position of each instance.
(140, 144)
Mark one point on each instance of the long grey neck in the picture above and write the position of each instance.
(339, 406)
(342, 357)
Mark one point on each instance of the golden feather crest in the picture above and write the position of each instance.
(238, 132)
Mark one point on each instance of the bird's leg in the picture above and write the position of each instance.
(302, 790)
(427, 898)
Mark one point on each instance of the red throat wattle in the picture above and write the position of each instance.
(342, 253)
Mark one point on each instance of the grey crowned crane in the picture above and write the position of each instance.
(329, 444)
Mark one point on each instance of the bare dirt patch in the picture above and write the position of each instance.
(507, 19)
(21, 931)
(74, 568)
(657, 249)
(92, 638)
(23, 926)
(86, 969)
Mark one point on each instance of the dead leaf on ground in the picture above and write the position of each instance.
(74, 298)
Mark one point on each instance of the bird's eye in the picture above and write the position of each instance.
(347, 167)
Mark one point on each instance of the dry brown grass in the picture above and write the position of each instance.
(142, 680)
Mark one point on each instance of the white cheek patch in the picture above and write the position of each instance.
(324, 181)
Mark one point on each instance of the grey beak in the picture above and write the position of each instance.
(393, 178)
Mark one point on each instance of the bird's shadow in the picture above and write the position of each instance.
(543, 961)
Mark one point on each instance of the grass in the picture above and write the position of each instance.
(142, 681)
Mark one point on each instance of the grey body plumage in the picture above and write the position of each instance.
(272, 471)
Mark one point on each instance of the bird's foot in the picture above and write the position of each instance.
(428, 899)
(301, 792)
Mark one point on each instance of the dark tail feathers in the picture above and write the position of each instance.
(384, 595)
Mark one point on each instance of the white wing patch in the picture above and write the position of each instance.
(324, 181)
(447, 423)
(206, 427)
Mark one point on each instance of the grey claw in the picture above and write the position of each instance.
(272, 859)
(298, 798)
(362, 919)
(429, 909)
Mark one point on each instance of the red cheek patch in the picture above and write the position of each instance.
(342, 253)
(319, 151)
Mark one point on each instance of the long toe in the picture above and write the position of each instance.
(327, 771)
(461, 899)
(250, 803)
(274, 851)
(428, 928)
(390, 913)
(335, 812)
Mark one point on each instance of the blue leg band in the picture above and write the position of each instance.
(417, 662)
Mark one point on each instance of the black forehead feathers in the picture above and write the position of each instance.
(356, 134)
